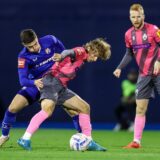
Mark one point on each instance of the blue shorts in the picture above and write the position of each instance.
(32, 94)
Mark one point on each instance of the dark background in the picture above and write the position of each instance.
(74, 22)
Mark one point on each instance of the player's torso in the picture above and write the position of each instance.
(39, 63)
(144, 47)
(67, 69)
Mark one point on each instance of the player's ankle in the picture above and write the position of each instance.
(137, 141)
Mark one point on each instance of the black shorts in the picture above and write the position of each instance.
(54, 90)
(146, 85)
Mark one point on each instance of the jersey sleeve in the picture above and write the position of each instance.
(156, 34)
(23, 72)
(80, 53)
(57, 44)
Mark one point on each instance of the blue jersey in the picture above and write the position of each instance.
(33, 66)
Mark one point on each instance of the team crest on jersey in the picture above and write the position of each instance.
(158, 33)
(21, 62)
(47, 50)
(35, 59)
(144, 36)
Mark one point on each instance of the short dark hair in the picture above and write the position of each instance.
(27, 36)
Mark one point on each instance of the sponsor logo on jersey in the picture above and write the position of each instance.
(21, 62)
(44, 62)
(141, 46)
(158, 33)
(47, 50)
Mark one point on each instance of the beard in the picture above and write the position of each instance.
(138, 25)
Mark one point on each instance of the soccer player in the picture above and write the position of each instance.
(35, 59)
(142, 42)
(55, 89)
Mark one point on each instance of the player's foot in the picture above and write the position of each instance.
(3, 140)
(93, 146)
(132, 145)
(25, 144)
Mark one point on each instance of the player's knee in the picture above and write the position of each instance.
(141, 110)
(13, 109)
(48, 107)
(86, 109)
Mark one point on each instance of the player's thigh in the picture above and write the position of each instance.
(78, 104)
(144, 88)
(18, 103)
(157, 83)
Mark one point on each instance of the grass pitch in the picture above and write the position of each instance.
(51, 144)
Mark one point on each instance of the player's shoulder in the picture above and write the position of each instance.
(48, 39)
(151, 26)
(23, 53)
(79, 50)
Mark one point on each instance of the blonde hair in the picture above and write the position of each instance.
(101, 46)
(137, 7)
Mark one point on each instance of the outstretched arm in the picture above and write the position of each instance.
(64, 54)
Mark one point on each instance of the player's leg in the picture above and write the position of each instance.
(144, 91)
(48, 98)
(75, 118)
(47, 108)
(83, 108)
(79, 105)
(17, 104)
(24, 97)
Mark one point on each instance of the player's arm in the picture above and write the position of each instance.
(23, 73)
(124, 62)
(127, 57)
(156, 35)
(58, 44)
(64, 54)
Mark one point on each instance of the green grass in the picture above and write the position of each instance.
(54, 145)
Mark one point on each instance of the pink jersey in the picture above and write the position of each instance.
(144, 44)
(66, 70)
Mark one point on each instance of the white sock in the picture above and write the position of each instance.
(89, 137)
(27, 136)
(4, 136)
(137, 141)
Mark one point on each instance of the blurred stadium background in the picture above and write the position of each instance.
(73, 22)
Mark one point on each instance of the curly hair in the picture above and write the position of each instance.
(101, 46)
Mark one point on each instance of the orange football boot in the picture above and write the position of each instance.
(132, 145)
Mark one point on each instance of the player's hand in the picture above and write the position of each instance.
(117, 73)
(38, 83)
(156, 68)
(57, 57)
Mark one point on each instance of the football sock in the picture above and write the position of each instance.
(8, 120)
(75, 120)
(84, 121)
(34, 124)
(138, 127)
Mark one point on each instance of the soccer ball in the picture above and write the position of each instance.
(79, 142)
